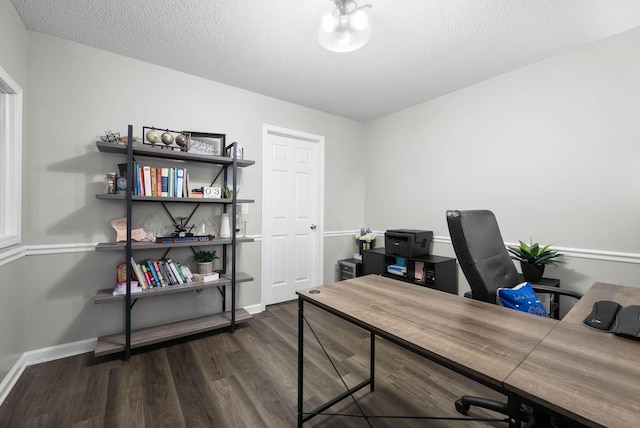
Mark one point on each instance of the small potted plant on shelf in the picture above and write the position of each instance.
(533, 258)
(205, 259)
(228, 192)
(365, 239)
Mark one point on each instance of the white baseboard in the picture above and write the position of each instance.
(41, 356)
(254, 309)
(11, 378)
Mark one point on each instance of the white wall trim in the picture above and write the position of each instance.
(16, 253)
(39, 250)
(42, 356)
(578, 253)
(336, 233)
(609, 256)
(12, 255)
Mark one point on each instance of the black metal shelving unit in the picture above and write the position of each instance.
(129, 339)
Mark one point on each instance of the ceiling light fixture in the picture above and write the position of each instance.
(346, 29)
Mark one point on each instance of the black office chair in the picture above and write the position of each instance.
(486, 264)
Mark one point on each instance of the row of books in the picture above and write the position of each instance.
(165, 182)
(160, 273)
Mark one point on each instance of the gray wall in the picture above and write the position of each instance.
(77, 93)
(552, 148)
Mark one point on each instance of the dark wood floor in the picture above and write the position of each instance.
(248, 379)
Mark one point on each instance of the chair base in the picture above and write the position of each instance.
(533, 417)
(464, 403)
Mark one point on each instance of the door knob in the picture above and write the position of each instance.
(313, 227)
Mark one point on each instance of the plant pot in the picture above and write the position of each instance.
(532, 273)
(205, 268)
(365, 245)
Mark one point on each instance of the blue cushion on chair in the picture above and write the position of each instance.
(523, 298)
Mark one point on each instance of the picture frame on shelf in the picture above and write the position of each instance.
(207, 143)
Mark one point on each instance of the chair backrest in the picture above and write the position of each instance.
(481, 252)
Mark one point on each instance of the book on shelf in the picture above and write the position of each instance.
(179, 182)
(158, 181)
(206, 277)
(147, 275)
(137, 184)
(161, 279)
(146, 170)
(142, 280)
(121, 273)
(171, 180)
(165, 182)
(187, 272)
(185, 187)
(166, 273)
(176, 272)
(160, 273)
(154, 273)
(154, 184)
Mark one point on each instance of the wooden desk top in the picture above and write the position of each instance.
(589, 375)
(600, 291)
(477, 338)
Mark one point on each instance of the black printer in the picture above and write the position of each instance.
(407, 242)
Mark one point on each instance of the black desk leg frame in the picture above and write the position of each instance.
(514, 405)
(302, 416)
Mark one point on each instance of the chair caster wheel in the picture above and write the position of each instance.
(462, 408)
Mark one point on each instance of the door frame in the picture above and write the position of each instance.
(267, 194)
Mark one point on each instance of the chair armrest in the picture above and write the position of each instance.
(555, 290)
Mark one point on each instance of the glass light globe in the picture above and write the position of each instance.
(344, 33)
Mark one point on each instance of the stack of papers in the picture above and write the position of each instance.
(121, 288)
(397, 270)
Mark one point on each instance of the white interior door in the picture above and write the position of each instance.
(291, 213)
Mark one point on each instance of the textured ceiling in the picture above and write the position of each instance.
(420, 49)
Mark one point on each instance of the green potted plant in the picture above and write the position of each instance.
(205, 259)
(533, 258)
(228, 192)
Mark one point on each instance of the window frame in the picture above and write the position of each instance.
(10, 160)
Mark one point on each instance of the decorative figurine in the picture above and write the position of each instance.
(167, 138)
(181, 140)
(121, 185)
(120, 226)
(153, 137)
(181, 228)
(110, 137)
